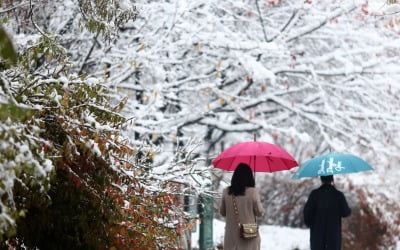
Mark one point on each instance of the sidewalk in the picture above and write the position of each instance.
(272, 237)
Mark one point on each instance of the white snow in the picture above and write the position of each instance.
(93, 147)
(272, 237)
(92, 81)
(125, 5)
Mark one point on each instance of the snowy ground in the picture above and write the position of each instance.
(272, 237)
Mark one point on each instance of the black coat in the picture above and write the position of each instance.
(323, 213)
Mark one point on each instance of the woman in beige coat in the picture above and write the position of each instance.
(248, 204)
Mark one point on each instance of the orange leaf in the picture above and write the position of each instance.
(123, 231)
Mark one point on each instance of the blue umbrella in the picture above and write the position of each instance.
(331, 164)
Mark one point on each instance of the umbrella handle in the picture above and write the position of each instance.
(255, 139)
(254, 166)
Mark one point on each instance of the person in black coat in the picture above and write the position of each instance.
(323, 214)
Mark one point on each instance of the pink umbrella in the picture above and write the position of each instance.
(260, 156)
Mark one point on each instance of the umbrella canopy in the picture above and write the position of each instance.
(331, 164)
(260, 156)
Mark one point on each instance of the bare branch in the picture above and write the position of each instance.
(261, 21)
(308, 30)
(33, 22)
(2, 11)
(89, 53)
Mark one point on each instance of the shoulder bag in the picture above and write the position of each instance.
(247, 230)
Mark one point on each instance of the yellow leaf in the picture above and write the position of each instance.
(151, 155)
(219, 63)
(221, 101)
(65, 100)
(145, 99)
(133, 64)
(49, 57)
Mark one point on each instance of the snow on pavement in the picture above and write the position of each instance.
(272, 237)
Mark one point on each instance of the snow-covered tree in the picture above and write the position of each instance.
(68, 174)
(23, 162)
(296, 72)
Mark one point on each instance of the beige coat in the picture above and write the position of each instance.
(249, 206)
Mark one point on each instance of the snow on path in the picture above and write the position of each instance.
(272, 237)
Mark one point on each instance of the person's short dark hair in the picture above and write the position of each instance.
(241, 178)
(327, 179)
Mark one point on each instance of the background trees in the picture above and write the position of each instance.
(299, 75)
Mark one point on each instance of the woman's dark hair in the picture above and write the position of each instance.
(241, 178)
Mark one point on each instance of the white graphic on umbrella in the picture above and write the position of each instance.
(331, 166)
